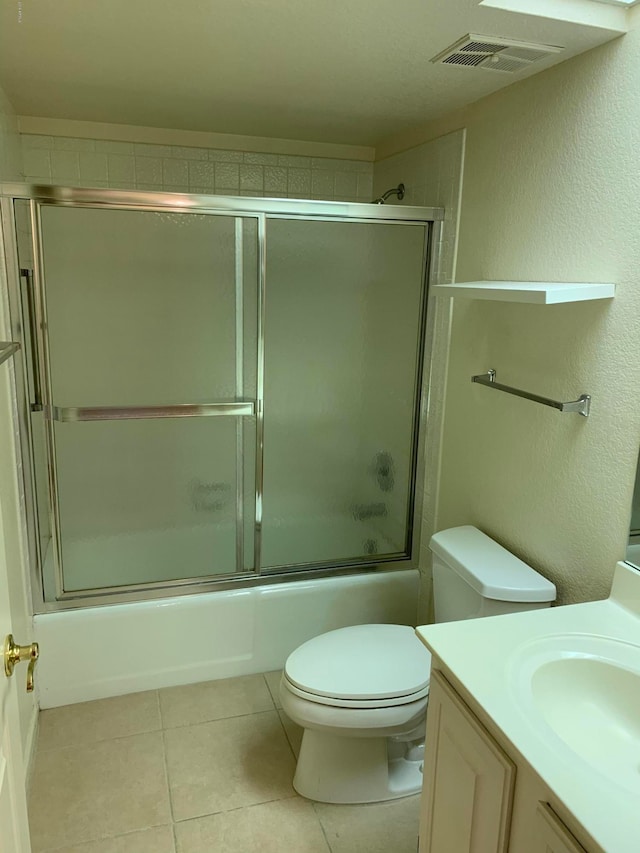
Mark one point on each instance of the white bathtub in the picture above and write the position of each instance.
(107, 651)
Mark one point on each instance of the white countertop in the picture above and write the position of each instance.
(488, 656)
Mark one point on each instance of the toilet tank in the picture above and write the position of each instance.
(475, 576)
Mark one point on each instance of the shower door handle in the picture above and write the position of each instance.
(73, 414)
(27, 275)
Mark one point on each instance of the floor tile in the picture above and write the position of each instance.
(286, 826)
(156, 840)
(227, 764)
(293, 732)
(89, 722)
(273, 683)
(214, 700)
(85, 793)
(375, 828)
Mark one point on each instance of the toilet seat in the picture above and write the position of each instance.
(363, 666)
(364, 704)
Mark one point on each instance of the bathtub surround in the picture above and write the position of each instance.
(550, 193)
(113, 164)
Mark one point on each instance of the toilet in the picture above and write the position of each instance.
(360, 693)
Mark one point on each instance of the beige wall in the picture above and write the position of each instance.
(10, 153)
(10, 497)
(551, 193)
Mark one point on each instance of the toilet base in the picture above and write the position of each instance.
(336, 769)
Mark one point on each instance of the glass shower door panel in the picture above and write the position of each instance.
(342, 350)
(148, 310)
(146, 501)
(142, 306)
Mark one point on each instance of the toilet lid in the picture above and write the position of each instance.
(361, 662)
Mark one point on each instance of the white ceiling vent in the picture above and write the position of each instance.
(494, 53)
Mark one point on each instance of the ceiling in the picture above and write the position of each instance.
(342, 71)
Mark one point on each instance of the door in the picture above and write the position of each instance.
(468, 780)
(14, 831)
(551, 835)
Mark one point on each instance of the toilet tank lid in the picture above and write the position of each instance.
(489, 568)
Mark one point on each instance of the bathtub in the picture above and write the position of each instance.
(98, 652)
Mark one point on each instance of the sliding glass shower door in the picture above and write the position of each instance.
(150, 357)
(216, 388)
(343, 350)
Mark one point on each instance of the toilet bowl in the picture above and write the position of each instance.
(360, 693)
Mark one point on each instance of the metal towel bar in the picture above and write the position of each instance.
(180, 410)
(7, 349)
(581, 405)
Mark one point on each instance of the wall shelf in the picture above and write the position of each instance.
(532, 292)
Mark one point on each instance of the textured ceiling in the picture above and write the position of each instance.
(334, 71)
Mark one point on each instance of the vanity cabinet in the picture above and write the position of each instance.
(551, 835)
(476, 797)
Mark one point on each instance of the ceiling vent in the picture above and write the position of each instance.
(494, 53)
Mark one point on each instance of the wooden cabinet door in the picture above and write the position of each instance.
(468, 780)
(551, 835)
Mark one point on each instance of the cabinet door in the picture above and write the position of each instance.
(551, 835)
(468, 783)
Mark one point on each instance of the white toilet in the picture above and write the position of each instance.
(361, 693)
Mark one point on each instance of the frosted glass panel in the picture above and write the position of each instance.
(148, 501)
(343, 326)
(142, 306)
(151, 309)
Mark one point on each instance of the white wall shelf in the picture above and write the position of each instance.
(532, 292)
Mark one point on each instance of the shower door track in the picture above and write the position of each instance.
(259, 209)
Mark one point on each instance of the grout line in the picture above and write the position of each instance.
(273, 698)
(127, 834)
(286, 737)
(85, 744)
(322, 829)
(219, 719)
(292, 796)
(175, 837)
(160, 714)
(166, 779)
(286, 734)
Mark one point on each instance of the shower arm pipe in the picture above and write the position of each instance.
(397, 191)
(73, 414)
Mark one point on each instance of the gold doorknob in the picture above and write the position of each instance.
(13, 654)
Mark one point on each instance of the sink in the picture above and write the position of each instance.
(586, 689)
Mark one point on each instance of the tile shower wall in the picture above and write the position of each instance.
(432, 174)
(131, 165)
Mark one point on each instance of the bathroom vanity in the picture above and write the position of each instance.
(533, 730)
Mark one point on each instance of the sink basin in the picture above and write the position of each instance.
(586, 689)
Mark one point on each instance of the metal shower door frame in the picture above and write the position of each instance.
(259, 210)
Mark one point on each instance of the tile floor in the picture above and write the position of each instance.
(194, 769)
